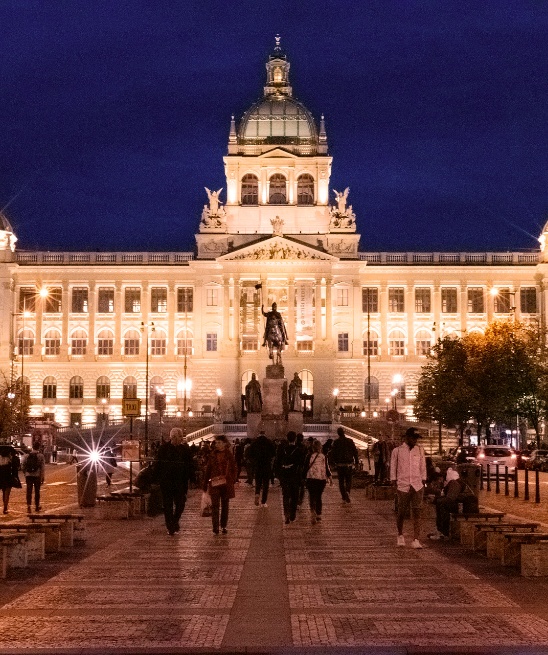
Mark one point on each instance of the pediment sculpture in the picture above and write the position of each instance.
(279, 250)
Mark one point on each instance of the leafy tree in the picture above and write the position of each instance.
(13, 409)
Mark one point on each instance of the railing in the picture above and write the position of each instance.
(202, 433)
(93, 258)
(458, 258)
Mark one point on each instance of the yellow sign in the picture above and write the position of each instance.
(131, 407)
(130, 451)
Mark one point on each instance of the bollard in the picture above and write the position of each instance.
(488, 477)
(497, 479)
(506, 489)
(516, 488)
(481, 477)
(526, 492)
(537, 486)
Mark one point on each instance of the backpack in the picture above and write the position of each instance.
(33, 463)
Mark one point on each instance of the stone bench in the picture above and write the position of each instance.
(72, 526)
(461, 525)
(36, 538)
(512, 545)
(534, 559)
(380, 492)
(138, 502)
(483, 530)
(112, 507)
(495, 539)
(14, 551)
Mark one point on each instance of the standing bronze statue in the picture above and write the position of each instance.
(295, 390)
(275, 334)
(253, 396)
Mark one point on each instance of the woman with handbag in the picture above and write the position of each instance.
(219, 479)
(9, 476)
(317, 474)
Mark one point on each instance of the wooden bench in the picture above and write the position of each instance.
(461, 527)
(14, 551)
(72, 526)
(512, 543)
(36, 538)
(138, 501)
(113, 507)
(482, 530)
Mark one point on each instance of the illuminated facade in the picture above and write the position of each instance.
(349, 313)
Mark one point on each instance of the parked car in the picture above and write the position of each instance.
(493, 455)
(538, 460)
(468, 451)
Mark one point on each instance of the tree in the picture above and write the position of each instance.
(13, 409)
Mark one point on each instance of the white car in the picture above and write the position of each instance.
(493, 455)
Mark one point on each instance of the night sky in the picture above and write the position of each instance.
(114, 115)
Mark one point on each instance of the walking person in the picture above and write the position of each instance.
(288, 466)
(34, 470)
(408, 475)
(344, 456)
(9, 473)
(220, 476)
(316, 474)
(262, 452)
(110, 463)
(172, 470)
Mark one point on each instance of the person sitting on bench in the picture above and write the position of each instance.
(447, 504)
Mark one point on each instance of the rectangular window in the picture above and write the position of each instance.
(422, 301)
(103, 391)
(53, 346)
(528, 300)
(158, 300)
(105, 303)
(305, 345)
(26, 346)
(475, 300)
(184, 347)
(27, 299)
(132, 303)
(212, 296)
(342, 297)
(52, 304)
(250, 344)
(396, 300)
(76, 390)
(129, 390)
(75, 419)
(105, 346)
(158, 346)
(211, 342)
(49, 391)
(370, 300)
(423, 347)
(80, 300)
(449, 301)
(131, 346)
(503, 302)
(373, 345)
(78, 346)
(397, 347)
(342, 342)
(185, 296)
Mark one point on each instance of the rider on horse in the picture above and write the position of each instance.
(275, 334)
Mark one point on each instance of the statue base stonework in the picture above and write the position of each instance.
(295, 422)
(254, 424)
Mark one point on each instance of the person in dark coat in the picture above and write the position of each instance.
(172, 470)
(221, 465)
(344, 456)
(9, 468)
(288, 465)
(262, 452)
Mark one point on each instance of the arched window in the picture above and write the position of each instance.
(129, 387)
(49, 388)
(305, 190)
(102, 388)
(105, 342)
(132, 341)
(156, 385)
(52, 340)
(396, 343)
(250, 190)
(423, 343)
(76, 388)
(373, 345)
(26, 342)
(308, 382)
(184, 342)
(158, 342)
(79, 342)
(25, 384)
(278, 190)
(371, 391)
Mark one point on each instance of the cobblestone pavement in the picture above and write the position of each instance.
(267, 587)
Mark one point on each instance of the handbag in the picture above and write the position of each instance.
(218, 481)
(205, 504)
(16, 482)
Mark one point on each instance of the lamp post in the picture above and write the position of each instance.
(103, 403)
(396, 382)
(368, 353)
(148, 328)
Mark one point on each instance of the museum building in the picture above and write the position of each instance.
(83, 330)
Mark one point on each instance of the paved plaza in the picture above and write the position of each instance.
(338, 586)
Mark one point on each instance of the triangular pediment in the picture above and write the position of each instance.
(277, 152)
(277, 248)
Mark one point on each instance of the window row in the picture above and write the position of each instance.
(79, 300)
(504, 300)
(277, 190)
(397, 343)
(132, 342)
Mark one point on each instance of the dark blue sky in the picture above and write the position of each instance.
(114, 115)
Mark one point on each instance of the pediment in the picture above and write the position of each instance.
(277, 248)
(277, 152)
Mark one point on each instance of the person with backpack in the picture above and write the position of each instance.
(344, 456)
(288, 466)
(34, 470)
(261, 452)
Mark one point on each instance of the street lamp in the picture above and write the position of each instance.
(103, 402)
(149, 327)
(396, 382)
(335, 396)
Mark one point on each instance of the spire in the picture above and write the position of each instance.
(322, 138)
(277, 72)
(232, 135)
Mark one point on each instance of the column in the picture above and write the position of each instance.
(291, 327)
(227, 332)
(436, 307)
(92, 308)
(328, 310)
(383, 309)
(318, 332)
(118, 313)
(357, 319)
(409, 295)
(171, 311)
(463, 306)
(65, 309)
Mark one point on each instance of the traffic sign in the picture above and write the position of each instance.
(131, 407)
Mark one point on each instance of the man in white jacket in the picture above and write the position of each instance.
(408, 475)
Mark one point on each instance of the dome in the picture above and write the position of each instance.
(277, 119)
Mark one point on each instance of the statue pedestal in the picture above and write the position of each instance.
(274, 421)
(254, 424)
(295, 422)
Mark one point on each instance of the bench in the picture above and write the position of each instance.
(534, 559)
(495, 539)
(512, 544)
(482, 531)
(138, 501)
(14, 551)
(72, 526)
(380, 492)
(462, 525)
(36, 538)
(113, 507)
